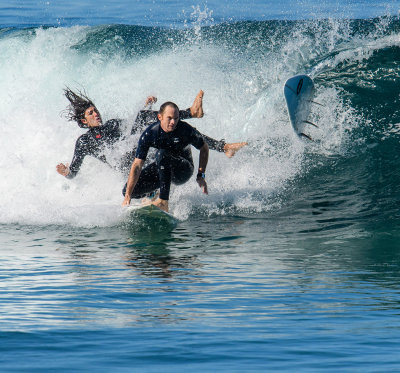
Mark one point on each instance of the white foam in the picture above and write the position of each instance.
(242, 103)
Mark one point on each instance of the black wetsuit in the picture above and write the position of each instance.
(173, 162)
(97, 139)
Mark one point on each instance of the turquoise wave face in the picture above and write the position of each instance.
(242, 67)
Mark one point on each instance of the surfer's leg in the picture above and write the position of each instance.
(196, 110)
(159, 174)
(147, 117)
(164, 160)
(143, 119)
(148, 182)
(172, 169)
(181, 170)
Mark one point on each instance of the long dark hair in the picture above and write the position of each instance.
(79, 102)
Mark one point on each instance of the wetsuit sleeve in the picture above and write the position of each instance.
(115, 124)
(79, 154)
(185, 114)
(143, 145)
(143, 119)
(197, 139)
(214, 144)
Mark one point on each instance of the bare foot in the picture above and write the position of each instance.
(161, 204)
(196, 109)
(146, 201)
(231, 149)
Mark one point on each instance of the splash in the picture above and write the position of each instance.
(241, 67)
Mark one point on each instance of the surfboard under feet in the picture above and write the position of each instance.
(150, 216)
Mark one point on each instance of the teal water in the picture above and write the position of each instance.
(227, 294)
(290, 264)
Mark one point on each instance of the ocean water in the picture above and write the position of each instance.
(291, 263)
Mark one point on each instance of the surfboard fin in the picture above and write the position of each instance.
(308, 122)
(306, 136)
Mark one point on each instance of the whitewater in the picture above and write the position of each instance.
(291, 263)
(243, 81)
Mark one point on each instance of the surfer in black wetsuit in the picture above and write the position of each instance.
(101, 137)
(172, 137)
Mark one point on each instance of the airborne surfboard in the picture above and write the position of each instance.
(298, 92)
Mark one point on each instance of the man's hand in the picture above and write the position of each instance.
(150, 101)
(161, 204)
(127, 201)
(202, 184)
(63, 169)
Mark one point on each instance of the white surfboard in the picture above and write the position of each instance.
(298, 92)
(151, 216)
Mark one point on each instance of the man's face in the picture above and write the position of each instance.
(92, 117)
(169, 119)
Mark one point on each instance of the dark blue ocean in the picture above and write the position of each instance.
(290, 264)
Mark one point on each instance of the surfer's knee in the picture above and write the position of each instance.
(181, 174)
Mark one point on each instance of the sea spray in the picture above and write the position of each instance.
(241, 67)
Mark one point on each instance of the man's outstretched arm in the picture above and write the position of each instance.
(70, 171)
(133, 178)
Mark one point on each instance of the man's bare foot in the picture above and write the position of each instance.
(161, 204)
(146, 201)
(231, 149)
(196, 109)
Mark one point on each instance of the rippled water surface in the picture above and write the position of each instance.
(248, 297)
